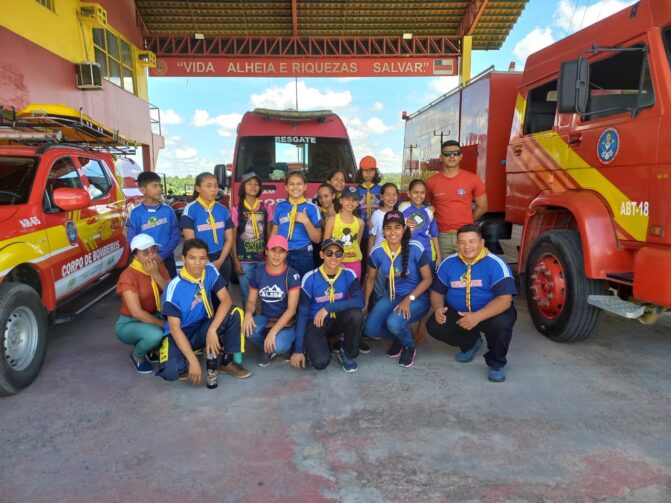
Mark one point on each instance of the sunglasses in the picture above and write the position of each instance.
(330, 253)
(453, 153)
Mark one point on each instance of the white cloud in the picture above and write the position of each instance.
(535, 40)
(185, 153)
(169, 117)
(227, 123)
(309, 98)
(377, 106)
(443, 85)
(345, 80)
(360, 130)
(572, 17)
(376, 126)
(389, 161)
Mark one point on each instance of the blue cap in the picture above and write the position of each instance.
(249, 176)
(332, 241)
(350, 192)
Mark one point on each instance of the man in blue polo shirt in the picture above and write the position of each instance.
(473, 292)
(331, 304)
(193, 323)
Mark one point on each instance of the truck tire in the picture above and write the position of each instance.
(557, 289)
(23, 336)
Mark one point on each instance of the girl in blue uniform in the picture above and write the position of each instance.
(421, 220)
(370, 193)
(299, 221)
(407, 270)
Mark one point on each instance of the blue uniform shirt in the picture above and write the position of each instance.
(417, 258)
(274, 289)
(426, 226)
(300, 238)
(160, 222)
(196, 217)
(182, 298)
(490, 277)
(375, 200)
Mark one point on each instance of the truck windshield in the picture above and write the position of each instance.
(272, 157)
(16, 179)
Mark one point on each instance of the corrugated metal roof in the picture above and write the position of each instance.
(331, 18)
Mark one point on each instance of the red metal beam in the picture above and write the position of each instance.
(294, 17)
(474, 10)
(359, 47)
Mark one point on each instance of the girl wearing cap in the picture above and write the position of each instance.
(278, 286)
(406, 267)
(368, 177)
(346, 227)
(251, 220)
(299, 221)
(140, 286)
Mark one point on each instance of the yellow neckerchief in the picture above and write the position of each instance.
(368, 186)
(137, 266)
(330, 282)
(392, 257)
(466, 277)
(201, 284)
(292, 213)
(252, 213)
(210, 216)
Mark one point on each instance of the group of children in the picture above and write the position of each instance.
(304, 261)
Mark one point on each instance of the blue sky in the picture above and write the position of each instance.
(200, 115)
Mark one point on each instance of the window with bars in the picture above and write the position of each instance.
(49, 4)
(114, 55)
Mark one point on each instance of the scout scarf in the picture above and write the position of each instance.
(252, 216)
(292, 214)
(369, 207)
(201, 285)
(392, 257)
(330, 282)
(137, 266)
(466, 277)
(209, 207)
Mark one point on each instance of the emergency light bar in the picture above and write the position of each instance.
(13, 134)
(294, 115)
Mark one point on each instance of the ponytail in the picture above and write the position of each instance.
(405, 251)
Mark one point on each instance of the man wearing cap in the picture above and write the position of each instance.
(452, 192)
(140, 285)
(330, 305)
(473, 292)
(278, 287)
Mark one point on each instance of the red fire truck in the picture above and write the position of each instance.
(273, 143)
(583, 175)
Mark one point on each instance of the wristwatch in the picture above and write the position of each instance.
(411, 297)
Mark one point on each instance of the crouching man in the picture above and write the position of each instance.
(331, 303)
(192, 322)
(472, 293)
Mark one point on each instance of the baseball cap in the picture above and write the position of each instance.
(332, 241)
(350, 192)
(368, 162)
(279, 242)
(249, 176)
(393, 216)
(142, 242)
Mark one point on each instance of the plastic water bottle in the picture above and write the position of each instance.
(212, 372)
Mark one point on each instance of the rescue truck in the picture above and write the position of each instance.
(274, 143)
(62, 216)
(583, 176)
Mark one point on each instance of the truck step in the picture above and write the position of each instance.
(614, 304)
(86, 299)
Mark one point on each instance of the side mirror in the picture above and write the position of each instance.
(71, 199)
(220, 174)
(573, 86)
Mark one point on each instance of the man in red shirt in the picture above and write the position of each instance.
(452, 192)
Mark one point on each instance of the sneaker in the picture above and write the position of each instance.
(496, 375)
(183, 376)
(152, 356)
(364, 348)
(395, 349)
(143, 367)
(348, 364)
(235, 369)
(407, 356)
(266, 359)
(467, 356)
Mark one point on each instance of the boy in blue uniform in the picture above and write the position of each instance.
(192, 322)
(330, 305)
(156, 219)
(472, 293)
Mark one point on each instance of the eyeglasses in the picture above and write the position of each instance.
(452, 153)
(330, 253)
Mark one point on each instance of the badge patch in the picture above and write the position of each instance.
(608, 145)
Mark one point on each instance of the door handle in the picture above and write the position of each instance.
(575, 140)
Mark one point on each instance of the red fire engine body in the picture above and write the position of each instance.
(587, 169)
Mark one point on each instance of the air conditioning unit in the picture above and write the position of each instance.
(94, 13)
(147, 59)
(88, 75)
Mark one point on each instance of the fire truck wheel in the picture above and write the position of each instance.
(23, 336)
(557, 289)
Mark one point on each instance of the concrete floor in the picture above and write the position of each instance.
(573, 423)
